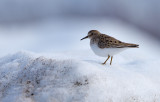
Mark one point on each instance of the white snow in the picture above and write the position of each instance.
(67, 70)
(29, 77)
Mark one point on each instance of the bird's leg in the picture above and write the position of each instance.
(106, 60)
(111, 60)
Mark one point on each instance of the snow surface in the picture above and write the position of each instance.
(63, 71)
(29, 77)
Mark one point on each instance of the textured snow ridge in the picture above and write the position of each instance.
(28, 78)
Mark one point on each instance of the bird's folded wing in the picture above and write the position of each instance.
(125, 45)
(106, 41)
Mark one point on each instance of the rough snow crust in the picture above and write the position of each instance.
(28, 78)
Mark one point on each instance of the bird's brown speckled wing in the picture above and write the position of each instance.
(106, 41)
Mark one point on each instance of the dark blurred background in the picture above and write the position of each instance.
(66, 15)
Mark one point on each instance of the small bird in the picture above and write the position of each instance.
(106, 46)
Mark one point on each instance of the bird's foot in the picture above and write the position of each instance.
(103, 63)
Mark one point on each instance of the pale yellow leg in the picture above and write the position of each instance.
(111, 60)
(106, 60)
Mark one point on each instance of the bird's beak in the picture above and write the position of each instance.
(84, 37)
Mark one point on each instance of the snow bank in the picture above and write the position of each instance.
(26, 77)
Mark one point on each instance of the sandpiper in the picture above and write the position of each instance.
(106, 46)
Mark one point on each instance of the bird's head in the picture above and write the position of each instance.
(91, 34)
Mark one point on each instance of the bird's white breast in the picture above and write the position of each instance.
(104, 52)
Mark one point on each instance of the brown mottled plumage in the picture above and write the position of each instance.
(106, 42)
